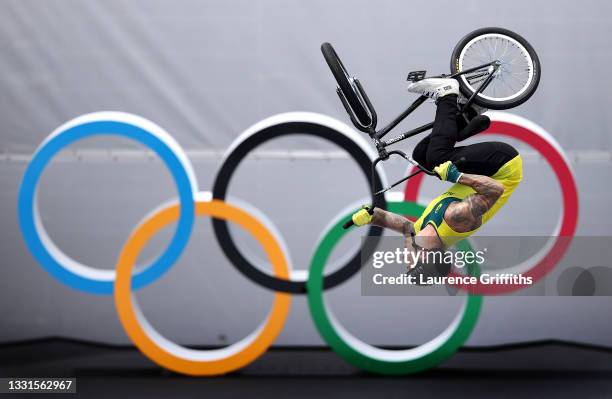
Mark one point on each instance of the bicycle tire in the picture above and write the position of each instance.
(343, 79)
(466, 89)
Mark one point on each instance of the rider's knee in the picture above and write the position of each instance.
(435, 158)
(419, 153)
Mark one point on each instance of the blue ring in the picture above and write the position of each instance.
(50, 149)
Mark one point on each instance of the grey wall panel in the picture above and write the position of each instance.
(90, 208)
(206, 70)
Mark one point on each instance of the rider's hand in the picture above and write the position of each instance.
(362, 216)
(448, 171)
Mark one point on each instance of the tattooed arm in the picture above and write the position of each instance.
(392, 221)
(467, 215)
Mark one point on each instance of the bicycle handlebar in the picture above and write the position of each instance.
(422, 169)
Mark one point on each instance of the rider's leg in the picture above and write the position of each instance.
(443, 137)
(439, 146)
(483, 158)
(419, 153)
(444, 133)
(449, 127)
(476, 125)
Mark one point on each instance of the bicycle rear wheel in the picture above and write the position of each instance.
(514, 82)
(347, 84)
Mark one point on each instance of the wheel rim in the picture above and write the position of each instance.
(515, 74)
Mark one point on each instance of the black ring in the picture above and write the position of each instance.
(230, 164)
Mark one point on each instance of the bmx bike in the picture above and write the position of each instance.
(495, 67)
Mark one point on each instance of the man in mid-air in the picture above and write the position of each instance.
(484, 177)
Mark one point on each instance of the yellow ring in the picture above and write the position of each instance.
(171, 355)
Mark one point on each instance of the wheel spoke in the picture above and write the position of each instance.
(514, 74)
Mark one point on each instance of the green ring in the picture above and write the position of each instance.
(345, 345)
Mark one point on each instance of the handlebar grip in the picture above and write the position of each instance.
(348, 224)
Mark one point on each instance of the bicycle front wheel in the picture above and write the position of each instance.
(347, 85)
(517, 77)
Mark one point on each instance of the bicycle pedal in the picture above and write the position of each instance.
(415, 76)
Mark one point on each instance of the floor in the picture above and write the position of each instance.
(532, 371)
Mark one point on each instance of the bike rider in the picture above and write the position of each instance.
(487, 175)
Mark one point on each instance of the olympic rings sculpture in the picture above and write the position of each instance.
(50, 257)
(285, 281)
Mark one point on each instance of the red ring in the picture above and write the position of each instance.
(569, 191)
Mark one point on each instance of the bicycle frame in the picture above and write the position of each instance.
(377, 136)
